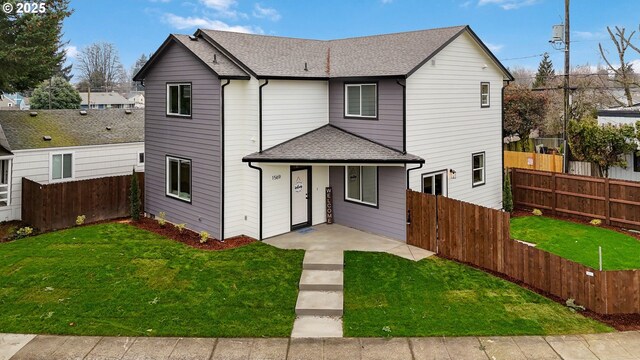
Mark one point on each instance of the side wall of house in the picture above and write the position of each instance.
(88, 162)
(389, 219)
(386, 129)
(446, 124)
(625, 174)
(196, 138)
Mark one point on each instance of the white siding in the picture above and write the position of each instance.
(625, 174)
(618, 120)
(445, 123)
(292, 108)
(88, 162)
(277, 204)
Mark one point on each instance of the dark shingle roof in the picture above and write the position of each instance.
(69, 128)
(205, 52)
(330, 144)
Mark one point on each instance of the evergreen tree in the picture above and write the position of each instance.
(545, 72)
(507, 194)
(63, 95)
(137, 85)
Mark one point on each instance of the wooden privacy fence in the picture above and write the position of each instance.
(532, 161)
(480, 236)
(56, 206)
(616, 202)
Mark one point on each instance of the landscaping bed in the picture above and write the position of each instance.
(116, 279)
(389, 296)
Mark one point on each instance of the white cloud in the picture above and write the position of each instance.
(494, 47)
(588, 35)
(264, 12)
(508, 4)
(71, 51)
(466, 4)
(190, 22)
(219, 4)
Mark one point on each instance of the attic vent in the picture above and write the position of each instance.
(108, 128)
(305, 67)
(215, 59)
(193, 38)
(33, 113)
(83, 112)
(46, 138)
(127, 111)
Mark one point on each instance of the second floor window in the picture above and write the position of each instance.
(179, 99)
(360, 100)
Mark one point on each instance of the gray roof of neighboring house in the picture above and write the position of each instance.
(330, 144)
(622, 111)
(107, 98)
(19, 130)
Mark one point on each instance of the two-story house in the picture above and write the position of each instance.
(245, 133)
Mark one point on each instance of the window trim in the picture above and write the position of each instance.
(166, 178)
(360, 202)
(166, 107)
(484, 169)
(445, 176)
(73, 166)
(9, 160)
(344, 100)
(488, 104)
(138, 158)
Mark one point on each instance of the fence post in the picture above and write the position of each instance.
(607, 202)
(553, 193)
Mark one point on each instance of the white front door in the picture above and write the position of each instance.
(300, 198)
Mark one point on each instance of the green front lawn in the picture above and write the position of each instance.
(386, 295)
(115, 279)
(578, 242)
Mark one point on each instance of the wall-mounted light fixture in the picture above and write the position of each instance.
(452, 174)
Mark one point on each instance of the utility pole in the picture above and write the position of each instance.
(567, 68)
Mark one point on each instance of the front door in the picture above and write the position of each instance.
(300, 197)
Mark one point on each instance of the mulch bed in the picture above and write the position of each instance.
(522, 213)
(8, 230)
(189, 237)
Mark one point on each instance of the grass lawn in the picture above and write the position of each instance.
(579, 242)
(436, 297)
(115, 279)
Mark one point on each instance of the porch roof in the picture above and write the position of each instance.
(330, 144)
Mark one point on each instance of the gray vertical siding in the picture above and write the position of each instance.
(387, 129)
(196, 138)
(389, 219)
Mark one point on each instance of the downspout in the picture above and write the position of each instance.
(502, 132)
(260, 202)
(222, 159)
(404, 117)
(409, 170)
(266, 81)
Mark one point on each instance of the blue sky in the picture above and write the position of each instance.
(517, 31)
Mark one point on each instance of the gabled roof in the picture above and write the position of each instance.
(107, 98)
(19, 130)
(209, 56)
(330, 144)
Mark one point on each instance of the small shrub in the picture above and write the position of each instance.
(24, 232)
(204, 237)
(180, 227)
(571, 303)
(595, 222)
(162, 218)
(507, 194)
(537, 212)
(80, 219)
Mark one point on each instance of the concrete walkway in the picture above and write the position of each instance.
(618, 346)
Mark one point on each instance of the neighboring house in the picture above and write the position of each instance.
(14, 102)
(104, 100)
(623, 115)
(137, 98)
(244, 133)
(63, 145)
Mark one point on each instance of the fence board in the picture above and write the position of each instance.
(56, 206)
(532, 161)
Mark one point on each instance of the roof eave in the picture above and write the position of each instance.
(333, 161)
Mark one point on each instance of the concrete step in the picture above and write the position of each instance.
(317, 327)
(321, 280)
(323, 260)
(319, 303)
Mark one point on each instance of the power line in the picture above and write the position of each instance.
(524, 57)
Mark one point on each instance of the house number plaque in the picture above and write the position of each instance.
(329, 192)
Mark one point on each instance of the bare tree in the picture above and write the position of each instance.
(523, 76)
(623, 75)
(99, 65)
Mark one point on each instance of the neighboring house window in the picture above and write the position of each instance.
(140, 158)
(360, 100)
(484, 94)
(179, 99)
(362, 184)
(61, 166)
(179, 178)
(636, 162)
(435, 183)
(479, 169)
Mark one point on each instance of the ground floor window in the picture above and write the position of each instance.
(478, 168)
(61, 166)
(179, 178)
(362, 184)
(5, 181)
(435, 183)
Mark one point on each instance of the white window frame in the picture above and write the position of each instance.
(346, 186)
(168, 180)
(9, 177)
(169, 85)
(138, 158)
(445, 184)
(346, 101)
(483, 168)
(73, 166)
(483, 103)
